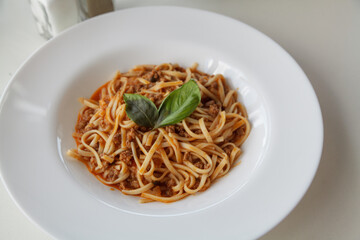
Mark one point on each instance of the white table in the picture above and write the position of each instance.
(322, 36)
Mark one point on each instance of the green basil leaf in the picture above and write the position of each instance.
(179, 104)
(141, 110)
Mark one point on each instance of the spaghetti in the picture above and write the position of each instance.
(168, 163)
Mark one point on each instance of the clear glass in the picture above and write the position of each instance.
(54, 16)
(41, 18)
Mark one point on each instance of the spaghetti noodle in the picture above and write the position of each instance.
(168, 163)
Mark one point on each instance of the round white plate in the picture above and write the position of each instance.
(39, 109)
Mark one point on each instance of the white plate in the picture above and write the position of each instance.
(39, 108)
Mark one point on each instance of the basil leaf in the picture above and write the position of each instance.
(141, 110)
(179, 104)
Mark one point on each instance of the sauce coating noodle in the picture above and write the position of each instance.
(164, 164)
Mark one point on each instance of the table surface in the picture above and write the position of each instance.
(322, 36)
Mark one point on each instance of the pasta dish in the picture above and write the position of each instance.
(179, 149)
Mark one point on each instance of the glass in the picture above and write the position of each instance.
(54, 16)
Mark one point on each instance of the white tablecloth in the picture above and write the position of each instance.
(323, 37)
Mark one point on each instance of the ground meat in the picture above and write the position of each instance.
(152, 76)
(240, 131)
(117, 84)
(169, 89)
(237, 134)
(155, 97)
(156, 183)
(228, 150)
(180, 69)
(170, 129)
(166, 191)
(213, 87)
(122, 185)
(92, 163)
(111, 174)
(170, 183)
(117, 138)
(181, 131)
(203, 80)
(158, 162)
(104, 103)
(199, 164)
(195, 161)
(204, 98)
(80, 125)
(84, 119)
(103, 124)
(126, 157)
(187, 157)
(164, 187)
(138, 87)
(130, 89)
(214, 110)
(198, 131)
(132, 134)
(143, 129)
(133, 183)
(197, 183)
(130, 137)
(87, 114)
(105, 164)
(208, 103)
